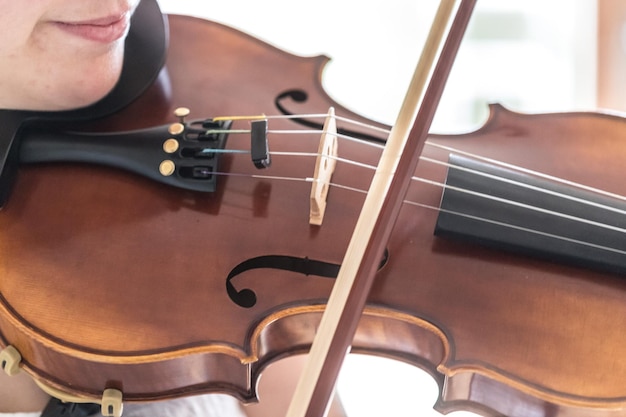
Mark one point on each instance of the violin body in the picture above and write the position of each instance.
(109, 280)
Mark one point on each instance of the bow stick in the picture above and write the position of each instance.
(378, 215)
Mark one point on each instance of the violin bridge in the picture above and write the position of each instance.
(324, 168)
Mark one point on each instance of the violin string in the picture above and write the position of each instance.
(463, 190)
(325, 132)
(526, 185)
(523, 205)
(528, 171)
(268, 117)
(369, 126)
(296, 132)
(336, 158)
(295, 154)
(520, 228)
(465, 215)
(365, 125)
(427, 143)
(475, 172)
(472, 171)
(291, 179)
(444, 147)
(442, 185)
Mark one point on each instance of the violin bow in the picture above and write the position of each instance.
(379, 213)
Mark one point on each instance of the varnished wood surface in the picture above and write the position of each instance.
(108, 280)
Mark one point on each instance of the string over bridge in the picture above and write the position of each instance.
(324, 168)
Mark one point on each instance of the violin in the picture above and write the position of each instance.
(133, 285)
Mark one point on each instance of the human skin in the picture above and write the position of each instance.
(20, 394)
(60, 54)
(56, 55)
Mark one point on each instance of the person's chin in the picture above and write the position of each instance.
(91, 89)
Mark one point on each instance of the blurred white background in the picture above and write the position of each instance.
(530, 55)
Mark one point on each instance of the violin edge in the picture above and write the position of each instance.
(461, 383)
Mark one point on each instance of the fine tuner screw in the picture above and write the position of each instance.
(181, 113)
(179, 128)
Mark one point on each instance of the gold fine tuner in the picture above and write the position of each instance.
(179, 127)
(181, 113)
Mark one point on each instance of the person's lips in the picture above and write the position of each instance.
(104, 30)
